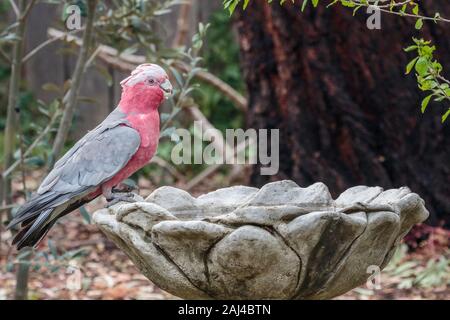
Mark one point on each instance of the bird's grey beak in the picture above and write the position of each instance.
(166, 86)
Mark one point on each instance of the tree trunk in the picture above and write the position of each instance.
(338, 92)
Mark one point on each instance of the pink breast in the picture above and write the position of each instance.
(140, 159)
(148, 128)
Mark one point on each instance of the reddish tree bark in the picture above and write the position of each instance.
(338, 92)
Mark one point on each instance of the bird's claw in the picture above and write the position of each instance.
(121, 197)
(124, 188)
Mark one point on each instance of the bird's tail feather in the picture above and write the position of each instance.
(36, 224)
(35, 231)
(32, 208)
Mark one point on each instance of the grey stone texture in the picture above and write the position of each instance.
(278, 242)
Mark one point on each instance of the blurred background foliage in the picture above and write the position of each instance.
(221, 57)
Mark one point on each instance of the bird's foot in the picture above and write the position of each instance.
(117, 197)
(125, 188)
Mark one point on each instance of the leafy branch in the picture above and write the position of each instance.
(428, 73)
(404, 8)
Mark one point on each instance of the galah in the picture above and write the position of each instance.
(122, 144)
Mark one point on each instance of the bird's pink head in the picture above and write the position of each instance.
(145, 89)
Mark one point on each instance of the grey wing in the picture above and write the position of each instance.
(102, 154)
(114, 119)
(95, 161)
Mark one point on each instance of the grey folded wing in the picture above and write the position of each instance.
(94, 161)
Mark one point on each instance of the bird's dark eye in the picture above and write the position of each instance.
(151, 81)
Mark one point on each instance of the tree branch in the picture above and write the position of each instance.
(4, 56)
(15, 8)
(228, 91)
(27, 10)
(12, 107)
(387, 8)
(44, 44)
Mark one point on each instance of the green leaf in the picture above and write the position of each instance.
(348, 4)
(165, 117)
(332, 3)
(315, 3)
(403, 9)
(411, 65)
(35, 161)
(53, 249)
(37, 267)
(10, 37)
(305, 2)
(85, 214)
(74, 253)
(51, 87)
(419, 24)
(231, 5)
(425, 102)
(422, 66)
(167, 132)
(445, 116)
(177, 76)
(410, 48)
(356, 9)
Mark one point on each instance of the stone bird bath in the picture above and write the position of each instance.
(277, 242)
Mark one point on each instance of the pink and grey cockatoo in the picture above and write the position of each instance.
(122, 144)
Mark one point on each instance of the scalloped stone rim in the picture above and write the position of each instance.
(278, 242)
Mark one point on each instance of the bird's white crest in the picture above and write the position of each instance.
(142, 72)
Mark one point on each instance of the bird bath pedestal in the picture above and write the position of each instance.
(277, 242)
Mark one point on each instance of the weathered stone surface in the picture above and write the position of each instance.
(277, 242)
(252, 263)
(187, 244)
(322, 239)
